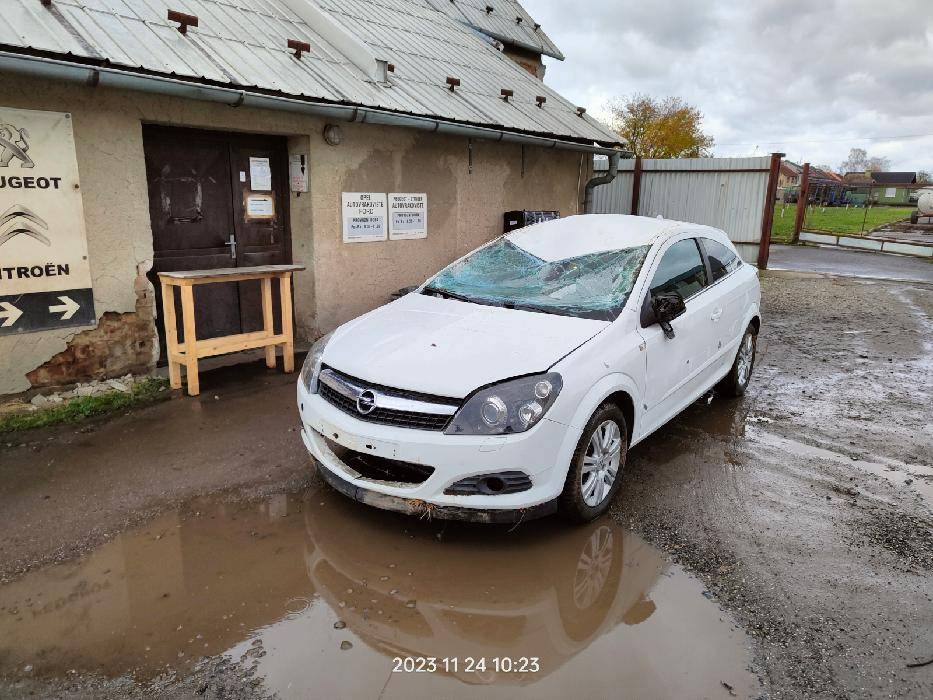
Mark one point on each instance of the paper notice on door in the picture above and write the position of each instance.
(260, 206)
(260, 175)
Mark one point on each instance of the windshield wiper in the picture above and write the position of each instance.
(446, 294)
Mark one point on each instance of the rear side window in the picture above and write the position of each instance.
(680, 270)
(722, 261)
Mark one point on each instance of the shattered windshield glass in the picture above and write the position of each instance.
(502, 274)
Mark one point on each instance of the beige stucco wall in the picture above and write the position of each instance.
(342, 280)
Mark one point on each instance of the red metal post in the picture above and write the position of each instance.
(767, 218)
(803, 194)
(636, 185)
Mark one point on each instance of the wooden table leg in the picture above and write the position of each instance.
(171, 335)
(288, 347)
(191, 340)
(267, 319)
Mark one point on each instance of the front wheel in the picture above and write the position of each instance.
(736, 382)
(595, 473)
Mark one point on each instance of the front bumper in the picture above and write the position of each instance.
(543, 453)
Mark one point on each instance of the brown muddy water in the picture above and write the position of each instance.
(329, 598)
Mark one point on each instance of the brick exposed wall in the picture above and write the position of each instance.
(121, 344)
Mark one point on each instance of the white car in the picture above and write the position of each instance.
(512, 383)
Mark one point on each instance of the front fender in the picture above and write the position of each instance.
(605, 387)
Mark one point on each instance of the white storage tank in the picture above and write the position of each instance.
(925, 202)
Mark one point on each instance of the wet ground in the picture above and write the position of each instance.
(851, 263)
(316, 593)
(776, 546)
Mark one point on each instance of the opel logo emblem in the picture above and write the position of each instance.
(366, 402)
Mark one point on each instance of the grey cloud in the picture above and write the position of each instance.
(785, 71)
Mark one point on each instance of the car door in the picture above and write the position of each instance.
(679, 369)
(727, 288)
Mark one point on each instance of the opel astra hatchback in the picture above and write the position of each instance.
(513, 382)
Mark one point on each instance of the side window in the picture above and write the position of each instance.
(722, 261)
(680, 270)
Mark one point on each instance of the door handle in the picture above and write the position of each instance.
(232, 243)
(716, 315)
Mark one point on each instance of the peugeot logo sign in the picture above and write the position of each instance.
(366, 402)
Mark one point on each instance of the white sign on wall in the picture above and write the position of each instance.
(408, 215)
(45, 279)
(364, 217)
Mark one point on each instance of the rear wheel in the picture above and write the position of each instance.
(736, 382)
(595, 473)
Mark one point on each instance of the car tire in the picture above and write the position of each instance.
(585, 496)
(736, 382)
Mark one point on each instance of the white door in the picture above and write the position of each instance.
(729, 314)
(679, 369)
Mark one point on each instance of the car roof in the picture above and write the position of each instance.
(585, 234)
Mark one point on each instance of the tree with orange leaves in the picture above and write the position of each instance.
(665, 128)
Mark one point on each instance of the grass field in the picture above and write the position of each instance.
(833, 219)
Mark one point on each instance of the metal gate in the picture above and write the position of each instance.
(733, 194)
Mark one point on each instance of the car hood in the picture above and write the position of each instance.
(450, 348)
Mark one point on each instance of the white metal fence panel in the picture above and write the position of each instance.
(728, 193)
(616, 197)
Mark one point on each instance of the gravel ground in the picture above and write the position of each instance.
(805, 507)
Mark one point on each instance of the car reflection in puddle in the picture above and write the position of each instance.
(323, 596)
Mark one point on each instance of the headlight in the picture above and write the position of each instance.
(510, 407)
(312, 366)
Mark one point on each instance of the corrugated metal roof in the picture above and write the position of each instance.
(243, 43)
(505, 20)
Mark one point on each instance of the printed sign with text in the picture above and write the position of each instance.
(45, 279)
(408, 215)
(364, 216)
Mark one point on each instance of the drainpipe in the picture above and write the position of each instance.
(601, 180)
(128, 80)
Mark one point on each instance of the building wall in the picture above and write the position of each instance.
(901, 194)
(342, 280)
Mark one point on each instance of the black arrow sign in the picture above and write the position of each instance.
(44, 310)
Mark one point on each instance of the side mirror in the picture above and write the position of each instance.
(667, 307)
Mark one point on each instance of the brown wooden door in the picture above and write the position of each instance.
(206, 214)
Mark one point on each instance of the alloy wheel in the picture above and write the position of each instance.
(601, 463)
(746, 355)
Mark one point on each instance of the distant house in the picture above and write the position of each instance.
(890, 188)
(789, 176)
(824, 187)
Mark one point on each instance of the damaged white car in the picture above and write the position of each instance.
(513, 383)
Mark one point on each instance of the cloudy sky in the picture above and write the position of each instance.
(809, 78)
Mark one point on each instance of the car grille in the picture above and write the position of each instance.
(370, 466)
(341, 390)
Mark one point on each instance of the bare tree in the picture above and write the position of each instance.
(857, 162)
(924, 177)
(860, 162)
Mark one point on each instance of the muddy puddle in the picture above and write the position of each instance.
(325, 596)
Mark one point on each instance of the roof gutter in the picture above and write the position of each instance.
(127, 80)
(594, 182)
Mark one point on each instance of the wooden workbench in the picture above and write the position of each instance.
(188, 352)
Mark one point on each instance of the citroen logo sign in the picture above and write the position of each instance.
(366, 402)
(18, 220)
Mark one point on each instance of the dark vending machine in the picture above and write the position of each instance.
(512, 220)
